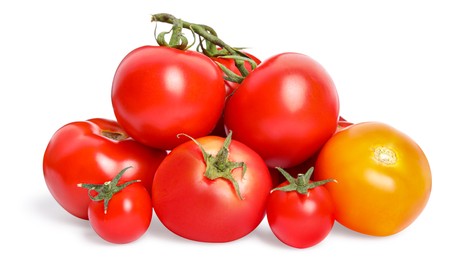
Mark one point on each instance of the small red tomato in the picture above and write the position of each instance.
(121, 213)
(90, 152)
(300, 212)
(230, 86)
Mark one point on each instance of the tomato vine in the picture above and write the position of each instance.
(209, 44)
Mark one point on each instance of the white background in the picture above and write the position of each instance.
(392, 61)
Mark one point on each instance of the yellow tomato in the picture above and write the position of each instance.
(383, 178)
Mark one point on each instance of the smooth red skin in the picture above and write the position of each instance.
(310, 162)
(197, 208)
(78, 153)
(285, 110)
(128, 216)
(159, 92)
(300, 220)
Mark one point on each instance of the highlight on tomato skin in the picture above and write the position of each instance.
(384, 179)
(93, 151)
(277, 109)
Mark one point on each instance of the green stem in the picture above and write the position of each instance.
(219, 166)
(106, 191)
(208, 35)
(301, 183)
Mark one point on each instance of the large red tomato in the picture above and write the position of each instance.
(159, 92)
(383, 178)
(93, 151)
(285, 110)
(211, 190)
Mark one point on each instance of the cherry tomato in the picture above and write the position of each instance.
(211, 189)
(93, 151)
(285, 110)
(159, 92)
(383, 178)
(300, 212)
(119, 213)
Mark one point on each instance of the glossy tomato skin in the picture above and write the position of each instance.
(159, 92)
(197, 208)
(127, 218)
(300, 220)
(285, 110)
(383, 178)
(85, 152)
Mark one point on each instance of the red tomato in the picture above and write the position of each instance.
(121, 213)
(159, 92)
(285, 110)
(207, 196)
(310, 162)
(93, 151)
(300, 212)
(383, 178)
(230, 86)
(230, 64)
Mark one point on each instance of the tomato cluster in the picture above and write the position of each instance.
(213, 140)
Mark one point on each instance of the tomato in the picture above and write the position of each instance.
(285, 110)
(211, 189)
(383, 178)
(119, 213)
(159, 92)
(230, 64)
(300, 212)
(93, 151)
(230, 86)
(310, 162)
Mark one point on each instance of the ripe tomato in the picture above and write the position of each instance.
(285, 110)
(310, 162)
(383, 178)
(300, 212)
(231, 65)
(159, 92)
(120, 212)
(230, 86)
(93, 151)
(211, 190)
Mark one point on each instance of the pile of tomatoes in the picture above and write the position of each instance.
(212, 157)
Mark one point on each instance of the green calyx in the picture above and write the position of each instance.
(209, 44)
(219, 166)
(106, 191)
(301, 183)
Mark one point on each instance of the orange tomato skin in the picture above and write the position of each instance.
(383, 178)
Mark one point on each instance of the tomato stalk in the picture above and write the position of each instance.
(106, 190)
(206, 35)
(301, 183)
(219, 166)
